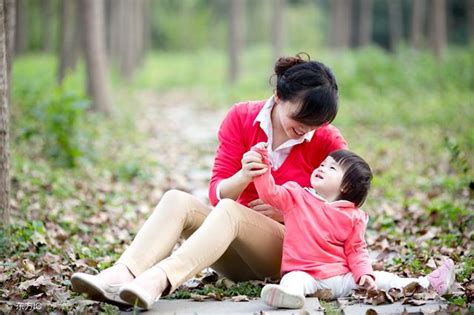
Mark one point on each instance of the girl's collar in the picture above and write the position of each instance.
(337, 203)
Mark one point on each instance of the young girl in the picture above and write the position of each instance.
(324, 246)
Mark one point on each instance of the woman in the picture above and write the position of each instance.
(241, 237)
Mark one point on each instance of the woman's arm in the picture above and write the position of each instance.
(234, 165)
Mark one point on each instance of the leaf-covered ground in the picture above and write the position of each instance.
(66, 221)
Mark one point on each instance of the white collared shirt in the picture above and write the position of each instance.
(279, 155)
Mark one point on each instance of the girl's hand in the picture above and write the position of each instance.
(252, 165)
(261, 145)
(367, 282)
(267, 210)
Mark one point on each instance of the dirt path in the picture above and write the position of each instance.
(184, 139)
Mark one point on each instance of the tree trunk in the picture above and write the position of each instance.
(341, 22)
(9, 11)
(236, 38)
(396, 22)
(4, 123)
(438, 27)
(67, 58)
(147, 25)
(470, 20)
(47, 19)
(418, 23)
(365, 23)
(21, 26)
(94, 47)
(278, 28)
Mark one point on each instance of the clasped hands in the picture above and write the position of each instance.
(252, 165)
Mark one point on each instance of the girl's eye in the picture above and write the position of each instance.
(333, 168)
(322, 164)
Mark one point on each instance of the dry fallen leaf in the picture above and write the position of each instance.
(323, 294)
(240, 298)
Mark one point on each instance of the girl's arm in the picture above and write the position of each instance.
(355, 249)
(279, 197)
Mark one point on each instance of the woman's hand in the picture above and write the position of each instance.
(367, 282)
(252, 165)
(265, 209)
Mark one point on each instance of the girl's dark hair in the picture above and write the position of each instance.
(357, 176)
(310, 84)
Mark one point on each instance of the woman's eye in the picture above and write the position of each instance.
(333, 168)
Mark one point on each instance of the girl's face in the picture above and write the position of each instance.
(292, 128)
(327, 179)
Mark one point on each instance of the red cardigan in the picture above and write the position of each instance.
(238, 134)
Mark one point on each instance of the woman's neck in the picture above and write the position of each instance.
(279, 135)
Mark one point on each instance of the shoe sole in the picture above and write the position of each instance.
(93, 292)
(131, 297)
(275, 296)
(451, 281)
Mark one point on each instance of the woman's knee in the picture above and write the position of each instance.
(230, 207)
(174, 200)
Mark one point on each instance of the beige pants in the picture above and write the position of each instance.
(236, 241)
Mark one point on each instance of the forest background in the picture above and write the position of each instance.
(105, 105)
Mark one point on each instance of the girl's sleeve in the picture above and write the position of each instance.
(227, 160)
(356, 251)
(279, 197)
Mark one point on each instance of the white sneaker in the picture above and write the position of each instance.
(274, 295)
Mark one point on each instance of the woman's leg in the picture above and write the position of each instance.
(177, 214)
(230, 231)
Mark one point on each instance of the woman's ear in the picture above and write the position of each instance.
(275, 97)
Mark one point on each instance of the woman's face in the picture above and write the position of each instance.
(292, 128)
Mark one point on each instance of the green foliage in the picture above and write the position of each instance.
(60, 118)
(51, 116)
(20, 237)
(466, 271)
(247, 288)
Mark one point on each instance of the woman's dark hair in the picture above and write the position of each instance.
(357, 176)
(309, 83)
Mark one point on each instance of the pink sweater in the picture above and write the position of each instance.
(322, 239)
(238, 133)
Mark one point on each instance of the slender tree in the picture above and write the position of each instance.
(47, 17)
(92, 12)
(365, 23)
(21, 27)
(236, 37)
(4, 122)
(395, 22)
(438, 27)
(418, 22)
(68, 55)
(341, 22)
(470, 19)
(9, 8)
(126, 34)
(278, 27)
